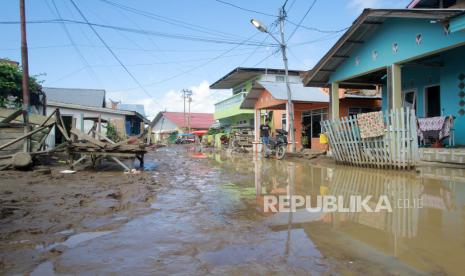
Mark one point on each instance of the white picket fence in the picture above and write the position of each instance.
(396, 149)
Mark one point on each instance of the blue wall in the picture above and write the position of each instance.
(418, 78)
(404, 33)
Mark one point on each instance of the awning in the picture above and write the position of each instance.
(200, 132)
(279, 91)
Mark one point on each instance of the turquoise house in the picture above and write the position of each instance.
(415, 56)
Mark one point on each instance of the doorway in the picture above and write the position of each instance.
(67, 121)
(311, 124)
(433, 101)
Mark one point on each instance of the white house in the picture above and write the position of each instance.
(82, 107)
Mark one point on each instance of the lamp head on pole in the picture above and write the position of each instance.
(259, 25)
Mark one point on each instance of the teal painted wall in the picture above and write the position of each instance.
(454, 66)
(418, 78)
(377, 51)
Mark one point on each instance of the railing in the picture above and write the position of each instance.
(397, 148)
(226, 103)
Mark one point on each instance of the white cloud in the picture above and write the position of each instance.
(203, 100)
(359, 5)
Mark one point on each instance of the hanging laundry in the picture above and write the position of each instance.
(371, 124)
(434, 127)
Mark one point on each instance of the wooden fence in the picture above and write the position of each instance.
(396, 149)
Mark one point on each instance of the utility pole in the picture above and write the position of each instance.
(290, 106)
(189, 116)
(25, 69)
(183, 93)
(283, 46)
(187, 94)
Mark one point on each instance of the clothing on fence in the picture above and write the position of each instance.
(371, 124)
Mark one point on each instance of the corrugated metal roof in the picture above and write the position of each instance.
(279, 91)
(430, 4)
(85, 97)
(242, 74)
(362, 28)
(133, 107)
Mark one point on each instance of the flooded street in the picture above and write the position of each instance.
(209, 219)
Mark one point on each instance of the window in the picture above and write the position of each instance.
(283, 121)
(311, 121)
(238, 90)
(280, 78)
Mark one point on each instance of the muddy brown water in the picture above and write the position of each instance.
(210, 220)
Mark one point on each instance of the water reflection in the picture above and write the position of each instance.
(429, 239)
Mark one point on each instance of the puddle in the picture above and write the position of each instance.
(44, 269)
(212, 221)
(149, 165)
(83, 237)
(429, 239)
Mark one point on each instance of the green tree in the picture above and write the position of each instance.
(11, 92)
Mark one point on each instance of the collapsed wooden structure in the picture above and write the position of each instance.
(16, 137)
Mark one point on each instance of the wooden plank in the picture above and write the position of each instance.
(84, 136)
(34, 119)
(105, 138)
(126, 168)
(22, 137)
(333, 141)
(12, 116)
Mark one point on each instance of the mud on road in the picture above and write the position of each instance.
(43, 208)
(202, 213)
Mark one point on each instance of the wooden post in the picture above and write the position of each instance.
(257, 130)
(334, 99)
(396, 86)
(25, 67)
(99, 126)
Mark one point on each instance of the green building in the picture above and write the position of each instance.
(228, 112)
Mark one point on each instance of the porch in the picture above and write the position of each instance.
(268, 98)
(416, 59)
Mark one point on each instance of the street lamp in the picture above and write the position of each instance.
(290, 108)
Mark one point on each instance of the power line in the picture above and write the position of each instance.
(128, 49)
(267, 57)
(244, 9)
(317, 29)
(171, 21)
(327, 37)
(301, 20)
(144, 32)
(256, 49)
(290, 7)
(73, 43)
(111, 51)
(198, 66)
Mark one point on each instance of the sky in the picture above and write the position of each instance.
(167, 46)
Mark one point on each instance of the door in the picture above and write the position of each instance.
(67, 121)
(433, 101)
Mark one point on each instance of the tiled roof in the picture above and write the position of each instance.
(197, 120)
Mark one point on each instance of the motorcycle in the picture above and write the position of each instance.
(277, 146)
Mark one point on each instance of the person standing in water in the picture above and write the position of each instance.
(265, 130)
